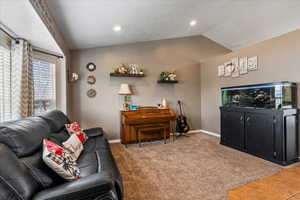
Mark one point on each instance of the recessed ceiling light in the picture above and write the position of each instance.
(117, 28)
(193, 23)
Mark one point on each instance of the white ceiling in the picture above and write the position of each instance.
(232, 23)
(20, 17)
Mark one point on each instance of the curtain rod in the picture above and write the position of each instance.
(34, 49)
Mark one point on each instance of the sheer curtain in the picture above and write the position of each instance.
(21, 76)
(5, 82)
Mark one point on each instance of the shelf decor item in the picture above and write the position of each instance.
(167, 77)
(91, 67)
(73, 77)
(131, 70)
(125, 90)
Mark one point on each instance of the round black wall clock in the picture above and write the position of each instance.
(91, 67)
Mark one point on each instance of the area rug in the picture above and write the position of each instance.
(193, 168)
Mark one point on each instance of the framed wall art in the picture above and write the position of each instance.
(221, 70)
(252, 63)
(243, 65)
(235, 67)
(228, 68)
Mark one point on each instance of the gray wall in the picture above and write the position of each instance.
(183, 55)
(278, 60)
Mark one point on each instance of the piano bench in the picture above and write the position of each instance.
(154, 127)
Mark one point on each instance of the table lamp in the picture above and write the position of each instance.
(125, 90)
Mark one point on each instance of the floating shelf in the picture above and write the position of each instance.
(126, 75)
(165, 81)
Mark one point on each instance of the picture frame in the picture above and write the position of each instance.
(243, 65)
(228, 69)
(252, 63)
(221, 70)
(235, 67)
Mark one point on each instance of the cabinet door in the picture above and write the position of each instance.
(232, 129)
(259, 134)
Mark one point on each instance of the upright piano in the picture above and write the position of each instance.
(145, 116)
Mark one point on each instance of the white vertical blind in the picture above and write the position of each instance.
(5, 84)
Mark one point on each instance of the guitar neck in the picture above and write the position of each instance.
(180, 108)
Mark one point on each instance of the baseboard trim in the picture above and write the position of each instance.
(209, 133)
(114, 141)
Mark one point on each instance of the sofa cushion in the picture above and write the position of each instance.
(24, 136)
(56, 120)
(89, 163)
(59, 137)
(44, 175)
(16, 176)
(60, 160)
(74, 128)
(74, 146)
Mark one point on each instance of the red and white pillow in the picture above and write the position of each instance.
(74, 146)
(60, 160)
(74, 128)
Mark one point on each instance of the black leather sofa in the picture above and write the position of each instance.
(23, 174)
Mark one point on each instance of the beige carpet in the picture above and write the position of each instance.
(194, 168)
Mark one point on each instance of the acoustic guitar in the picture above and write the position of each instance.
(181, 121)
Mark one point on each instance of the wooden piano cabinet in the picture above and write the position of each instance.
(150, 117)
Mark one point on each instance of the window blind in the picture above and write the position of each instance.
(44, 85)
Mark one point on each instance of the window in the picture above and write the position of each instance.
(44, 85)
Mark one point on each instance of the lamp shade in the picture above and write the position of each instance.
(125, 89)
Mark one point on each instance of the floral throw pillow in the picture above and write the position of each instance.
(74, 146)
(74, 128)
(60, 160)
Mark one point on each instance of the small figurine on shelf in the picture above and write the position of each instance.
(123, 69)
(133, 68)
(128, 69)
(167, 76)
(163, 76)
(172, 76)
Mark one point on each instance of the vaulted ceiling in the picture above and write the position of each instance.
(231, 23)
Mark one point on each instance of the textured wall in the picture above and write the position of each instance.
(183, 55)
(278, 60)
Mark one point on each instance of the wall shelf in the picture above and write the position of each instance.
(126, 75)
(169, 81)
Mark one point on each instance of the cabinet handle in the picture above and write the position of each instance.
(241, 118)
(248, 119)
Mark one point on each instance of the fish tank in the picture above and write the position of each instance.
(280, 95)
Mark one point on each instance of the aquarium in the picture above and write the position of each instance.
(270, 96)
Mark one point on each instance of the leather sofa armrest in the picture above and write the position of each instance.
(93, 132)
(90, 187)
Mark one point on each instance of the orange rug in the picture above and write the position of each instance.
(284, 185)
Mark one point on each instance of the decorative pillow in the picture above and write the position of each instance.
(74, 128)
(74, 146)
(60, 160)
